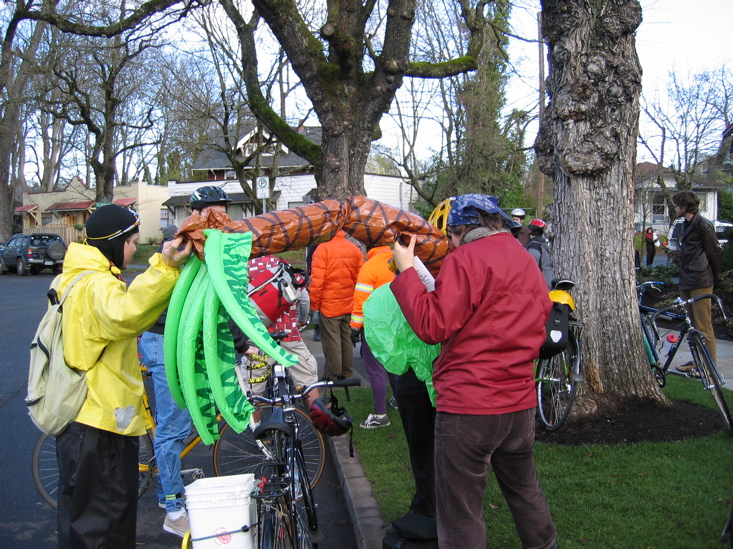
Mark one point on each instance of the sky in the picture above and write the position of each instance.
(675, 35)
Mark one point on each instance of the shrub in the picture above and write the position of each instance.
(658, 273)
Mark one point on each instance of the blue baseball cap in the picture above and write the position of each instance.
(466, 207)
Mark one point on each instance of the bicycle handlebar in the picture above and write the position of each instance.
(679, 303)
(653, 284)
(350, 382)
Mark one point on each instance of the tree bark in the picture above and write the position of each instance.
(587, 143)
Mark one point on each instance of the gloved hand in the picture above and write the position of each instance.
(355, 336)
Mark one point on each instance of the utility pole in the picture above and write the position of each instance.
(540, 175)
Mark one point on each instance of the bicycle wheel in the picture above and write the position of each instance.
(238, 453)
(272, 527)
(710, 377)
(306, 503)
(45, 468)
(556, 385)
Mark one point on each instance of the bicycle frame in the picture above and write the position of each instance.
(685, 333)
(285, 500)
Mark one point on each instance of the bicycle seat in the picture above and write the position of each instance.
(279, 336)
(276, 421)
(564, 284)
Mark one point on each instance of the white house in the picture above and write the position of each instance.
(289, 192)
(650, 206)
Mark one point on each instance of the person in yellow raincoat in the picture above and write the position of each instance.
(102, 317)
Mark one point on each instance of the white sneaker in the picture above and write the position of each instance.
(375, 421)
(178, 527)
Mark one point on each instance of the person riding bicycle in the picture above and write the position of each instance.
(489, 310)
(539, 248)
(173, 424)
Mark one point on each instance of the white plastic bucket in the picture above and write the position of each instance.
(220, 506)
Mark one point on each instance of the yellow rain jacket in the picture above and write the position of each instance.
(102, 319)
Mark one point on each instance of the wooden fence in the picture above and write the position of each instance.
(67, 232)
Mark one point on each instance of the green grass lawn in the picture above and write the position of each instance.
(661, 495)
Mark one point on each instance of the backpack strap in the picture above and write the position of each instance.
(53, 294)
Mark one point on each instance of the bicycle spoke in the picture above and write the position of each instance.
(710, 377)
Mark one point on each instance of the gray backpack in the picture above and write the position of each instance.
(56, 392)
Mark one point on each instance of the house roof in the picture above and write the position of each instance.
(86, 205)
(237, 198)
(215, 159)
(645, 171)
(125, 202)
(70, 206)
(26, 208)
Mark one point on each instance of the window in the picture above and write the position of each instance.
(46, 218)
(166, 217)
(659, 208)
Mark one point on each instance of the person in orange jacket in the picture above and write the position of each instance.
(335, 267)
(373, 274)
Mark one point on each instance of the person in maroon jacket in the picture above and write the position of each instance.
(488, 310)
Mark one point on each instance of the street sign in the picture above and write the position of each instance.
(263, 187)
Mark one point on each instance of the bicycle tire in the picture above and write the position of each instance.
(238, 453)
(710, 379)
(556, 386)
(272, 528)
(45, 468)
(306, 502)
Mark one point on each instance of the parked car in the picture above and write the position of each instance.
(721, 230)
(31, 253)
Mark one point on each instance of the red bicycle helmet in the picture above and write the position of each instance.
(538, 223)
(334, 421)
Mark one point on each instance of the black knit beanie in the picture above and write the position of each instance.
(108, 228)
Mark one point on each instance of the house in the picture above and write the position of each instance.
(650, 205)
(293, 186)
(65, 212)
(212, 164)
(289, 191)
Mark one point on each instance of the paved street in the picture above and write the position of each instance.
(26, 521)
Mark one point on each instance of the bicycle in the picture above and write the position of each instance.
(557, 377)
(647, 330)
(234, 453)
(711, 378)
(286, 509)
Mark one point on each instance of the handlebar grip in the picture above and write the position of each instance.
(351, 382)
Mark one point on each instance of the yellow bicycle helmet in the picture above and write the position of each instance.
(439, 216)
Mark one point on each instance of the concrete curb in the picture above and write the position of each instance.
(369, 527)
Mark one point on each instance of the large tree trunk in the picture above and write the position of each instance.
(587, 143)
(13, 87)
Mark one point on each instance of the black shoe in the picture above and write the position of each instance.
(316, 335)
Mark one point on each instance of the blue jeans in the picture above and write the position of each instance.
(173, 425)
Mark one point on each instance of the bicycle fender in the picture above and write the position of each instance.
(227, 256)
(172, 322)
